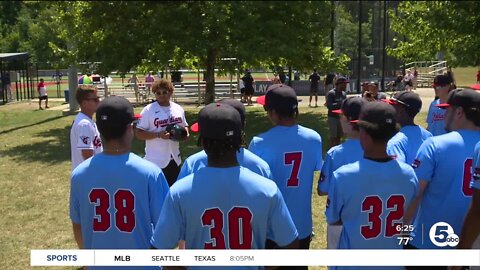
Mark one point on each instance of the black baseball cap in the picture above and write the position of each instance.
(378, 116)
(237, 105)
(219, 121)
(351, 108)
(442, 80)
(115, 111)
(466, 98)
(341, 79)
(279, 97)
(409, 99)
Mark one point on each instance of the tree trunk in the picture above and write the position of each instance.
(210, 76)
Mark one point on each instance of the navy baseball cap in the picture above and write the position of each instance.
(378, 116)
(115, 111)
(351, 108)
(279, 97)
(442, 80)
(466, 98)
(219, 121)
(409, 99)
(237, 105)
(341, 79)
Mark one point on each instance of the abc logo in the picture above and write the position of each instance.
(442, 235)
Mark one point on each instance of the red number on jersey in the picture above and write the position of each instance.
(374, 205)
(467, 177)
(101, 200)
(239, 228)
(124, 203)
(294, 158)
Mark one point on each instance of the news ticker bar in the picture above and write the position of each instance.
(365, 257)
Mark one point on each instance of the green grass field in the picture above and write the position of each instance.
(35, 169)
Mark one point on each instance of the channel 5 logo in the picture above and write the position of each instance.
(442, 235)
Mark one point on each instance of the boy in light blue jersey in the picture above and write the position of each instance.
(293, 153)
(404, 145)
(436, 116)
(471, 226)
(223, 205)
(368, 197)
(116, 196)
(245, 158)
(443, 167)
(345, 153)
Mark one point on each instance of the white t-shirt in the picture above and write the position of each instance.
(83, 135)
(156, 118)
(43, 91)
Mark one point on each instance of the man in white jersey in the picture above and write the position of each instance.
(160, 146)
(84, 136)
(223, 205)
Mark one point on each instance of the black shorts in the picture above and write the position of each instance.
(249, 91)
(43, 98)
(313, 89)
(242, 90)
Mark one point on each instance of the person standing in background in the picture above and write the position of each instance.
(42, 94)
(314, 79)
(249, 90)
(334, 100)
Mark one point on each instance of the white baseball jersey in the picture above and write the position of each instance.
(156, 118)
(84, 135)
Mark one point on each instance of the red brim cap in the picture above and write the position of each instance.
(261, 100)
(195, 127)
(389, 101)
(443, 105)
(337, 111)
(354, 121)
(137, 116)
(475, 87)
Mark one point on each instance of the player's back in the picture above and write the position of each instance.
(436, 119)
(224, 208)
(405, 144)
(445, 163)
(370, 198)
(293, 154)
(339, 155)
(245, 159)
(117, 199)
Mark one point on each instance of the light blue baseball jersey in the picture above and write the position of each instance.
(476, 167)
(117, 200)
(370, 198)
(224, 208)
(339, 155)
(245, 159)
(293, 153)
(445, 162)
(436, 119)
(404, 145)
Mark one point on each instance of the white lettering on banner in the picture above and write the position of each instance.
(125, 257)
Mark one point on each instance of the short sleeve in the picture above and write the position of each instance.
(281, 228)
(185, 170)
(184, 119)
(170, 228)
(144, 123)
(86, 135)
(325, 174)
(425, 162)
(397, 148)
(334, 203)
(74, 203)
(158, 190)
(318, 163)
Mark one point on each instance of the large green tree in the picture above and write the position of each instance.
(449, 27)
(124, 34)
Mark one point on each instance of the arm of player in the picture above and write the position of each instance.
(334, 203)
(87, 153)
(146, 135)
(471, 225)
(412, 208)
(170, 221)
(77, 234)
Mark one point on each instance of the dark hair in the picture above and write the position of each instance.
(83, 91)
(112, 132)
(473, 115)
(379, 134)
(286, 114)
(216, 149)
